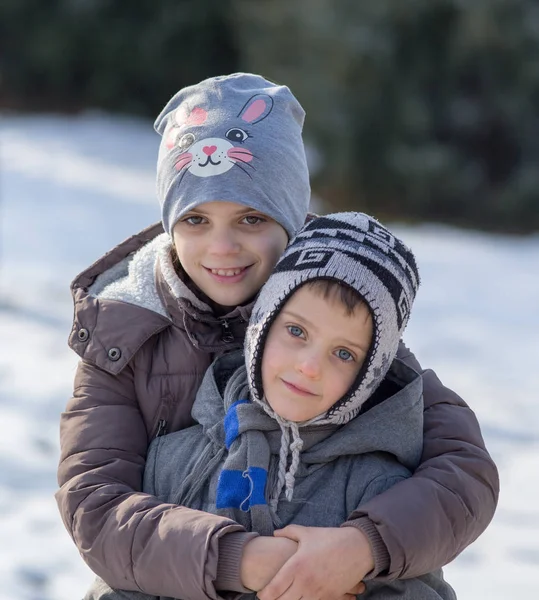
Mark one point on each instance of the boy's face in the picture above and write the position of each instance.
(228, 250)
(313, 354)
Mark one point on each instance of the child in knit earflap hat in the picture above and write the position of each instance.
(347, 264)
(318, 416)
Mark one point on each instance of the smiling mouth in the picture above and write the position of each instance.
(297, 390)
(227, 272)
(209, 162)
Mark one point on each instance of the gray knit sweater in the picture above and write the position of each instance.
(340, 467)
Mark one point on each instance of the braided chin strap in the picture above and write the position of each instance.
(286, 479)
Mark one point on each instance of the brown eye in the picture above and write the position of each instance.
(253, 220)
(193, 220)
(186, 141)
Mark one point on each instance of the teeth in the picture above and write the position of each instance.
(226, 272)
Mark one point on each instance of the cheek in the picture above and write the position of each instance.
(344, 381)
(271, 359)
(185, 252)
(272, 247)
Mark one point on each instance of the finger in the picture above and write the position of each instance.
(357, 589)
(294, 592)
(348, 596)
(292, 532)
(278, 586)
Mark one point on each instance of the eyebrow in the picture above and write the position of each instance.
(307, 322)
(241, 211)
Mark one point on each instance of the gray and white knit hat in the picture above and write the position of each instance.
(355, 249)
(233, 138)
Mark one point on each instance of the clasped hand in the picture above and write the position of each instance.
(314, 563)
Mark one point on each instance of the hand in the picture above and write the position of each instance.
(329, 564)
(262, 558)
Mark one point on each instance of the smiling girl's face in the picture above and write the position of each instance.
(313, 353)
(228, 250)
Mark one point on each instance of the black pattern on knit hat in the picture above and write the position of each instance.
(355, 249)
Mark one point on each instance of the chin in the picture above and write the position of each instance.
(231, 303)
(294, 418)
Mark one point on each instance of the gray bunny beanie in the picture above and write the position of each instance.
(233, 138)
(355, 249)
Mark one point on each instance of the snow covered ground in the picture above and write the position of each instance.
(71, 188)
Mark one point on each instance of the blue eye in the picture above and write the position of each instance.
(344, 355)
(295, 331)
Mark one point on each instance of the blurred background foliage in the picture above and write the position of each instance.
(416, 109)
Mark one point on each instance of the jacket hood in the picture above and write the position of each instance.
(133, 278)
(393, 425)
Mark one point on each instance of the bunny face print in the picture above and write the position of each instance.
(210, 156)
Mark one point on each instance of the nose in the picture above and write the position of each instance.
(209, 150)
(309, 364)
(224, 242)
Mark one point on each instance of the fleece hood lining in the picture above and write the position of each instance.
(133, 279)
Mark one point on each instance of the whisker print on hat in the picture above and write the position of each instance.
(182, 176)
(244, 170)
(239, 158)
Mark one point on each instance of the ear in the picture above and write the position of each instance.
(256, 108)
(183, 116)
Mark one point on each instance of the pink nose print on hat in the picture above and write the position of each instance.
(209, 150)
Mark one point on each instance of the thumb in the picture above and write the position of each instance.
(357, 589)
(292, 532)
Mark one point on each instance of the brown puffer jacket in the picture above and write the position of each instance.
(145, 340)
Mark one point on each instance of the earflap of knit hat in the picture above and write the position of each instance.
(356, 250)
(235, 138)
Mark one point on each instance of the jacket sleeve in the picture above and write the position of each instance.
(128, 538)
(102, 591)
(422, 523)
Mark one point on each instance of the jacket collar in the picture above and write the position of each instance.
(96, 335)
(205, 330)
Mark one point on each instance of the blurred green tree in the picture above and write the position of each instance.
(424, 109)
(125, 56)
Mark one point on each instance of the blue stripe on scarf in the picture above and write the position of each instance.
(241, 489)
(232, 424)
(258, 477)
